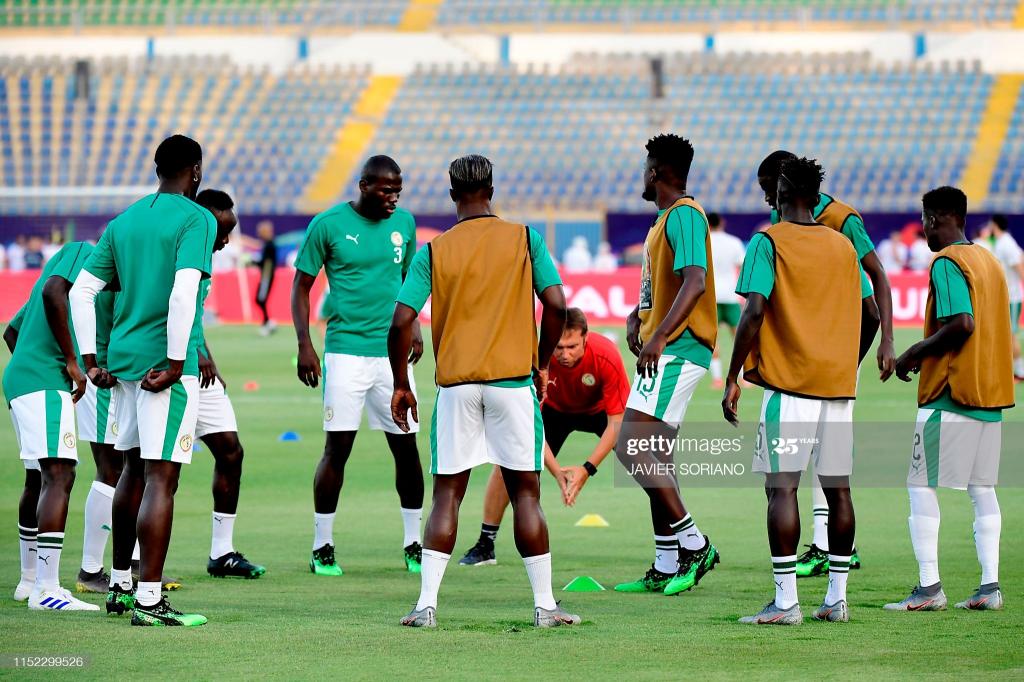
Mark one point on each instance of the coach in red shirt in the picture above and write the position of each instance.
(587, 391)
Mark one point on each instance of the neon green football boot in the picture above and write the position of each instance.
(693, 565)
(653, 581)
(414, 558)
(323, 562)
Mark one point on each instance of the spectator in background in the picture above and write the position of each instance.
(893, 252)
(16, 254)
(983, 237)
(577, 257)
(267, 265)
(34, 253)
(50, 249)
(3, 256)
(920, 255)
(1009, 254)
(605, 260)
(727, 254)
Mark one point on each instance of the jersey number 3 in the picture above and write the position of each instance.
(398, 255)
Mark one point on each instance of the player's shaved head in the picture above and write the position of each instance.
(222, 206)
(471, 174)
(773, 162)
(215, 200)
(176, 155)
(671, 156)
(379, 166)
(800, 181)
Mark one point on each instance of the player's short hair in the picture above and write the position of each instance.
(946, 200)
(379, 165)
(773, 162)
(215, 200)
(999, 220)
(805, 175)
(176, 154)
(671, 151)
(714, 220)
(471, 173)
(575, 319)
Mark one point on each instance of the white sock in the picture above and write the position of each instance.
(666, 553)
(27, 545)
(784, 573)
(716, 369)
(411, 523)
(148, 594)
(538, 568)
(48, 548)
(323, 530)
(431, 574)
(819, 507)
(988, 522)
(924, 533)
(122, 578)
(223, 535)
(688, 534)
(838, 572)
(137, 553)
(97, 525)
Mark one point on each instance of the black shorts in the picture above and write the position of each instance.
(558, 426)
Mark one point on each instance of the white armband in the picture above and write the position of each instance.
(82, 298)
(181, 312)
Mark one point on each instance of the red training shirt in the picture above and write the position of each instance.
(596, 384)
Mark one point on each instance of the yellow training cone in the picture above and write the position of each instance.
(592, 521)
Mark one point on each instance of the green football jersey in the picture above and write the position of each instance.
(365, 262)
(143, 248)
(38, 363)
(853, 229)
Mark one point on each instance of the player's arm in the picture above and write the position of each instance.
(411, 298)
(312, 255)
(55, 303)
(181, 315)
(686, 230)
(552, 322)
(756, 283)
(953, 308)
(886, 355)
(562, 476)
(82, 298)
(578, 476)
(633, 331)
(208, 371)
(869, 316)
(11, 333)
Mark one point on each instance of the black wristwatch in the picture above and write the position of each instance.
(591, 469)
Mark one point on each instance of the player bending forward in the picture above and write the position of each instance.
(490, 372)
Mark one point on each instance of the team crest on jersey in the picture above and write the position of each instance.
(69, 439)
(589, 380)
(185, 443)
(113, 428)
(396, 238)
(328, 413)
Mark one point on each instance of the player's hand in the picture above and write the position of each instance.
(207, 371)
(908, 363)
(633, 334)
(647, 360)
(156, 381)
(308, 366)
(578, 478)
(563, 479)
(731, 402)
(101, 378)
(540, 382)
(77, 378)
(403, 400)
(886, 359)
(416, 350)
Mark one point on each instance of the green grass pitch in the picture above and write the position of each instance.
(290, 624)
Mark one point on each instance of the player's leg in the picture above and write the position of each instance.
(99, 518)
(167, 423)
(224, 561)
(514, 428)
(988, 519)
(346, 381)
(28, 529)
(495, 502)
(408, 469)
(124, 518)
(815, 560)
(923, 478)
(841, 531)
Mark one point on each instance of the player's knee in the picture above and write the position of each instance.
(59, 474)
(33, 480)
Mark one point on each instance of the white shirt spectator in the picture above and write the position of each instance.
(577, 257)
(605, 261)
(16, 257)
(893, 254)
(727, 254)
(49, 250)
(1010, 256)
(920, 256)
